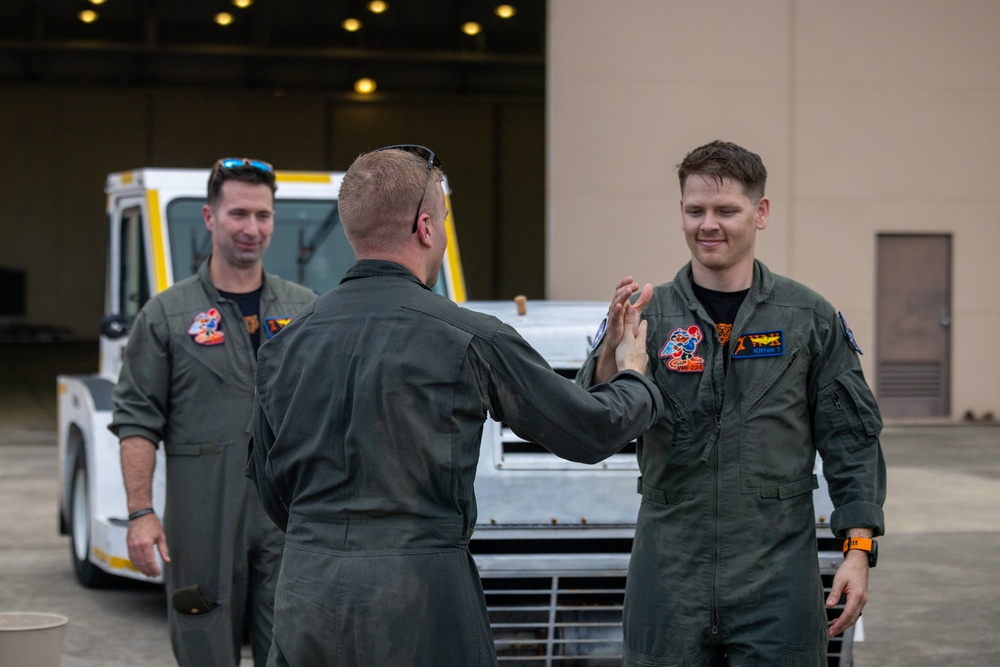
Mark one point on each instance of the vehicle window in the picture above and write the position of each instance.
(133, 281)
(308, 245)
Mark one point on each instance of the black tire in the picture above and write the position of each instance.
(88, 574)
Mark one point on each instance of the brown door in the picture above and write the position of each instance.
(913, 302)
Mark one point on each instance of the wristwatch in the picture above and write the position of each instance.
(863, 544)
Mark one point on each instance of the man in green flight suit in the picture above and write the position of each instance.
(369, 415)
(187, 380)
(759, 373)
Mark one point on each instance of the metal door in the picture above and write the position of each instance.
(913, 306)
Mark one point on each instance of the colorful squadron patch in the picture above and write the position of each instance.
(762, 344)
(680, 349)
(849, 333)
(205, 328)
(272, 325)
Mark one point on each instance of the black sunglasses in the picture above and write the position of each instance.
(425, 154)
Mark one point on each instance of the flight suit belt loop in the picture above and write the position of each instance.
(657, 496)
(375, 534)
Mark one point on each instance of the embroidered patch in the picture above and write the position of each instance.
(599, 336)
(679, 351)
(849, 333)
(205, 328)
(275, 324)
(762, 344)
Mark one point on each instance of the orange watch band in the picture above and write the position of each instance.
(861, 543)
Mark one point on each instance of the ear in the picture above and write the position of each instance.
(762, 213)
(206, 213)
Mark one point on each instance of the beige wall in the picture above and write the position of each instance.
(871, 117)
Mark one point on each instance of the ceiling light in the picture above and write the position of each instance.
(365, 86)
(97, 2)
(471, 28)
(377, 6)
(87, 16)
(242, 4)
(223, 18)
(351, 25)
(504, 11)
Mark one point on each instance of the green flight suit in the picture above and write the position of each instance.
(198, 398)
(367, 428)
(725, 555)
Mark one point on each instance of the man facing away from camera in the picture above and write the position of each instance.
(758, 373)
(369, 414)
(187, 380)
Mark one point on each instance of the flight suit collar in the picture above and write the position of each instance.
(369, 268)
(760, 289)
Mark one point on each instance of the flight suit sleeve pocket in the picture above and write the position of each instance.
(852, 418)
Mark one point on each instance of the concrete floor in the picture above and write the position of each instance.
(933, 598)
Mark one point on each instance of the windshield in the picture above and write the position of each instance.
(308, 245)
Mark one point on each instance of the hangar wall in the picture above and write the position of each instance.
(871, 118)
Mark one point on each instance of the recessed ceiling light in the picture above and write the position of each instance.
(365, 86)
(87, 16)
(223, 18)
(377, 6)
(504, 11)
(97, 2)
(242, 4)
(471, 28)
(351, 25)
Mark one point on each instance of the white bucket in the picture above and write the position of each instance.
(31, 639)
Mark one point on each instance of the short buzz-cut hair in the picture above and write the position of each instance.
(722, 159)
(378, 196)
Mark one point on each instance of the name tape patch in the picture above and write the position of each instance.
(760, 344)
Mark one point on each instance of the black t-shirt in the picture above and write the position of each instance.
(722, 308)
(249, 304)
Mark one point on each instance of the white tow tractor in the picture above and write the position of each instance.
(553, 538)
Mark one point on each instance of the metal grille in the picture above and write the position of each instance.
(909, 380)
(556, 621)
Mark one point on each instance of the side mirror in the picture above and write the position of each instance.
(114, 326)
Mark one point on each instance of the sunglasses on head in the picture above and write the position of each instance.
(234, 162)
(423, 153)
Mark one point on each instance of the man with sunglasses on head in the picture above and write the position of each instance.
(367, 427)
(760, 373)
(188, 380)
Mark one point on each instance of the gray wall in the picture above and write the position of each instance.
(58, 143)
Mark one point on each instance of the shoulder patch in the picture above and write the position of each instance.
(599, 336)
(850, 334)
(760, 344)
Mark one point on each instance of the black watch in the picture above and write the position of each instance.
(865, 544)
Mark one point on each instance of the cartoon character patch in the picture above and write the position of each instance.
(680, 349)
(205, 328)
(850, 334)
(272, 325)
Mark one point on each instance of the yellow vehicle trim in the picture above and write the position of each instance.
(302, 177)
(114, 561)
(454, 258)
(156, 232)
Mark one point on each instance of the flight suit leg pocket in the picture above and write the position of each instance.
(802, 656)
